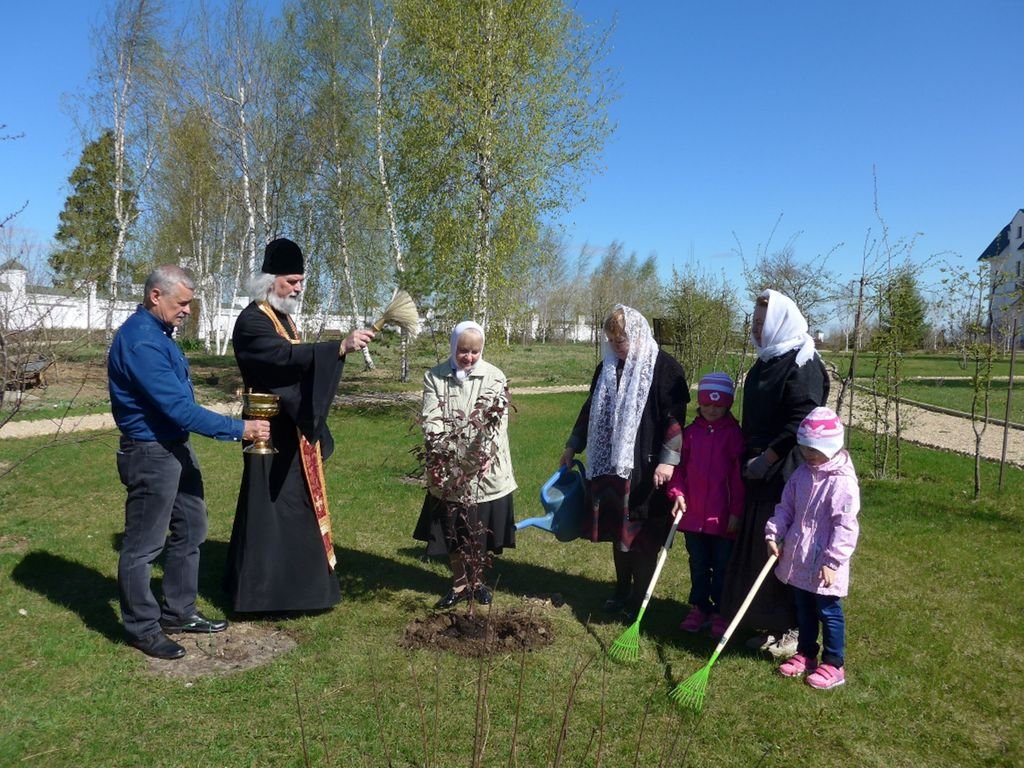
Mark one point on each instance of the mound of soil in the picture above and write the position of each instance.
(484, 634)
(241, 646)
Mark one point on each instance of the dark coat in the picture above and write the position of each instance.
(777, 395)
(665, 409)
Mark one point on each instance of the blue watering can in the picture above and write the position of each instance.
(562, 497)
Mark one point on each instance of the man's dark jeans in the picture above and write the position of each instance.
(165, 493)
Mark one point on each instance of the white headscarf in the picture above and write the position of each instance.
(785, 329)
(461, 328)
(617, 407)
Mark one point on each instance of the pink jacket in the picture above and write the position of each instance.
(708, 476)
(817, 523)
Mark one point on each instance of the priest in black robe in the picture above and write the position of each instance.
(281, 556)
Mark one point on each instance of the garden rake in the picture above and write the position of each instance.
(626, 647)
(690, 692)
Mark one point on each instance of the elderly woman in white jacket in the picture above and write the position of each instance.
(468, 511)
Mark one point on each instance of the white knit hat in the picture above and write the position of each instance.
(821, 430)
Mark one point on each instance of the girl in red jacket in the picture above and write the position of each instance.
(708, 486)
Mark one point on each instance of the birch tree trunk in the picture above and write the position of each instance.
(346, 267)
(128, 32)
(483, 256)
(380, 44)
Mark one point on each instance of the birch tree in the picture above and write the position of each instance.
(196, 217)
(508, 110)
(128, 53)
(332, 50)
(380, 32)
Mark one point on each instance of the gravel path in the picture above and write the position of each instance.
(943, 430)
(921, 426)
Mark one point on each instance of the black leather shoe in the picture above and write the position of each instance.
(195, 623)
(616, 603)
(158, 645)
(483, 595)
(451, 599)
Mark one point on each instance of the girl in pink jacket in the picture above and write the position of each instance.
(814, 532)
(708, 486)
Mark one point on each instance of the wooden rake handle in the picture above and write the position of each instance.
(743, 607)
(662, 557)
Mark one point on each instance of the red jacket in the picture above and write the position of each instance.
(708, 476)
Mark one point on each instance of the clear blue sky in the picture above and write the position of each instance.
(730, 114)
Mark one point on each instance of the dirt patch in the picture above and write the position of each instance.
(13, 545)
(241, 646)
(488, 633)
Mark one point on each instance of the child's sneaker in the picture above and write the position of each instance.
(826, 676)
(694, 620)
(797, 665)
(785, 646)
(718, 625)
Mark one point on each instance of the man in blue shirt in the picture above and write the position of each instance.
(154, 406)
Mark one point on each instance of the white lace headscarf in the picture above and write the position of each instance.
(461, 328)
(615, 410)
(785, 329)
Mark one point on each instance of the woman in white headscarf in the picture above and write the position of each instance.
(468, 511)
(787, 381)
(631, 427)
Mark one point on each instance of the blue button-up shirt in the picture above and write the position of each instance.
(151, 393)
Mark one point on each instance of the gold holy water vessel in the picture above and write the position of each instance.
(258, 405)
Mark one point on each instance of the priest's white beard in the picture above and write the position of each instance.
(287, 304)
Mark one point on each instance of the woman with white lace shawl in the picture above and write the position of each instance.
(631, 427)
(786, 382)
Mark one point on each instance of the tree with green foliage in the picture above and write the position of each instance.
(128, 57)
(902, 312)
(702, 313)
(195, 217)
(331, 54)
(621, 279)
(505, 111)
(88, 231)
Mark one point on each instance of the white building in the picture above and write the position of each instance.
(25, 307)
(1005, 257)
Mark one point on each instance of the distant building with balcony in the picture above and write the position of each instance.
(1005, 257)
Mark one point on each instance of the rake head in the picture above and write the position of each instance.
(626, 648)
(689, 694)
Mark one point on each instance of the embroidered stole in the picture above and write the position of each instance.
(312, 461)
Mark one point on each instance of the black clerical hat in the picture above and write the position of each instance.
(283, 257)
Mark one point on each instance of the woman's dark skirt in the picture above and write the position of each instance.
(772, 609)
(607, 502)
(492, 522)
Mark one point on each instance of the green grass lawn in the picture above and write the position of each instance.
(920, 364)
(934, 637)
(957, 396)
(78, 384)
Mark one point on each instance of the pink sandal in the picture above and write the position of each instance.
(694, 620)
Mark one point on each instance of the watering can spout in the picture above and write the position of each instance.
(562, 499)
(544, 522)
